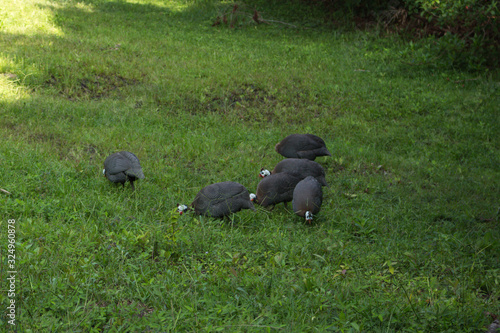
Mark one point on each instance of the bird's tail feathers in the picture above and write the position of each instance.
(137, 173)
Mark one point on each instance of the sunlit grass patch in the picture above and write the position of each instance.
(27, 18)
(10, 90)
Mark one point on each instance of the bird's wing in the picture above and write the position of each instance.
(115, 164)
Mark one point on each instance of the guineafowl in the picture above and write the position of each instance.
(274, 189)
(122, 166)
(299, 167)
(307, 198)
(306, 146)
(220, 199)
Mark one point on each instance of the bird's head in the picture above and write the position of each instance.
(181, 209)
(253, 197)
(309, 217)
(264, 173)
(104, 172)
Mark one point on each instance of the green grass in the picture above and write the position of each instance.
(407, 238)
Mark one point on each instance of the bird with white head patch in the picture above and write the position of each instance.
(219, 200)
(307, 198)
(298, 167)
(274, 189)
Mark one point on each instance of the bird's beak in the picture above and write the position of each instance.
(261, 176)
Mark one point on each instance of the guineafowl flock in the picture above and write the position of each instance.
(297, 179)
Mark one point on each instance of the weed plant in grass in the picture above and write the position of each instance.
(407, 238)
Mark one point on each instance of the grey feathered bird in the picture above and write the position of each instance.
(307, 198)
(275, 188)
(220, 199)
(307, 146)
(122, 166)
(299, 167)
(494, 327)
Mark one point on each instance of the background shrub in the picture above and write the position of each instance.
(465, 33)
(448, 33)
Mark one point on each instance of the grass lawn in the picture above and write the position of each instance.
(408, 236)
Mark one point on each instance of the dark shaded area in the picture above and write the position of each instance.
(456, 34)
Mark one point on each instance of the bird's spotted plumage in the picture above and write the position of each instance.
(222, 199)
(276, 188)
(121, 167)
(300, 168)
(306, 146)
(307, 198)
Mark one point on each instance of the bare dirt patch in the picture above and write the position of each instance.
(93, 87)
